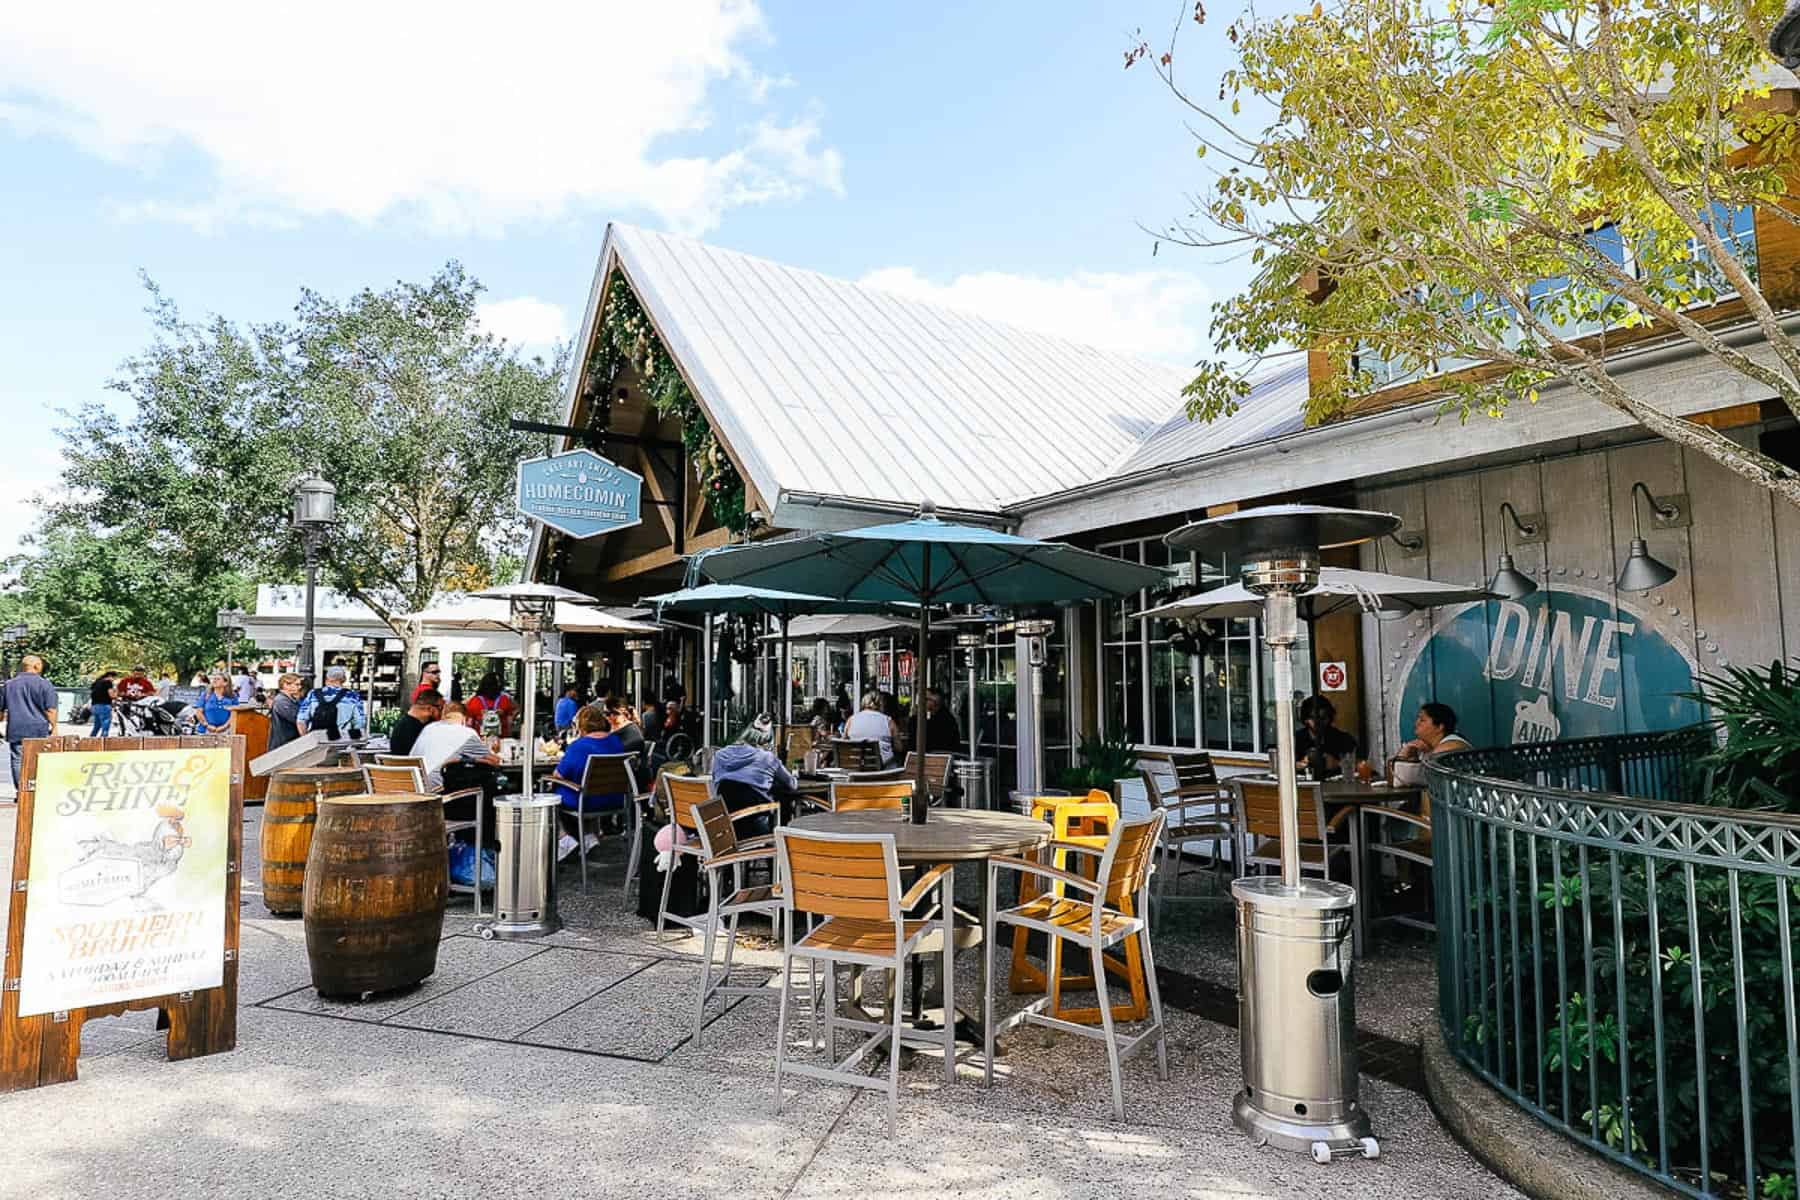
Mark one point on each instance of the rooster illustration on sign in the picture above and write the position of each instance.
(110, 870)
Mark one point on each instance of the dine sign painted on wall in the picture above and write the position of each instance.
(580, 493)
(1562, 664)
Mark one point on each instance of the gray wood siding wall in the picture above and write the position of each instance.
(1726, 605)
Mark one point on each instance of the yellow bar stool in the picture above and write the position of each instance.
(1081, 821)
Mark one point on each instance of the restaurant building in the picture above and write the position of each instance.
(756, 398)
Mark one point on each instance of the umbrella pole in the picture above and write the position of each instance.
(921, 797)
(706, 688)
(787, 674)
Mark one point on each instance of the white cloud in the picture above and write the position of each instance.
(1160, 314)
(33, 473)
(524, 321)
(460, 117)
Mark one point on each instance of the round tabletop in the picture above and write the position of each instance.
(948, 835)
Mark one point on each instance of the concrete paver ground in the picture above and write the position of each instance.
(566, 1066)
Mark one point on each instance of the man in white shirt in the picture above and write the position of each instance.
(447, 740)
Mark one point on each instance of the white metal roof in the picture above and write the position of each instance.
(831, 388)
(1276, 405)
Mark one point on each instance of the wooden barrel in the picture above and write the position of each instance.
(376, 882)
(289, 812)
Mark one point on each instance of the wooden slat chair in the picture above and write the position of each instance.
(721, 851)
(399, 760)
(853, 882)
(1198, 810)
(859, 795)
(848, 755)
(1259, 816)
(1096, 922)
(1414, 847)
(937, 773)
(686, 794)
(1085, 821)
(409, 779)
(796, 742)
(605, 775)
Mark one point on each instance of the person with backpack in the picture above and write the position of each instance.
(335, 708)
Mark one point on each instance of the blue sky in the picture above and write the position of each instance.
(993, 157)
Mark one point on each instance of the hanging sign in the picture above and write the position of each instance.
(127, 877)
(1333, 677)
(580, 494)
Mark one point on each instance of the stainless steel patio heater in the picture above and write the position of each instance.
(1296, 991)
(1035, 631)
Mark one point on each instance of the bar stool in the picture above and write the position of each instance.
(1077, 821)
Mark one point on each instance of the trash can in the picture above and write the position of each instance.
(973, 775)
(525, 891)
(1021, 801)
(1297, 1017)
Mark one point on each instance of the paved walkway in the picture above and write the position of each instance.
(566, 1067)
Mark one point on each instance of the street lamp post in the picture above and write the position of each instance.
(315, 511)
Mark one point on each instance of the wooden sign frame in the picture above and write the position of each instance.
(43, 1049)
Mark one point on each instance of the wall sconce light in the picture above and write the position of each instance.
(1508, 581)
(1410, 541)
(1642, 571)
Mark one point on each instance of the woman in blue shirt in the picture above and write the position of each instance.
(593, 726)
(215, 708)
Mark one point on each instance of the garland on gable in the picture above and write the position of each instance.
(628, 339)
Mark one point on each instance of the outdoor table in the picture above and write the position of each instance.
(1360, 797)
(949, 837)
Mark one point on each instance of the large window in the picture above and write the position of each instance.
(1217, 699)
(1573, 313)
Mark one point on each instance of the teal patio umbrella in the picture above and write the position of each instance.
(926, 562)
(784, 606)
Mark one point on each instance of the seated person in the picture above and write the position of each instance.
(427, 706)
(449, 742)
(1434, 732)
(745, 773)
(597, 737)
(456, 759)
(1317, 715)
(625, 725)
(567, 705)
(872, 724)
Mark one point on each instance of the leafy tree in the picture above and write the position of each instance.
(395, 396)
(115, 598)
(1440, 183)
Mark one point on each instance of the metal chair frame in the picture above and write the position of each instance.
(381, 778)
(937, 773)
(1408, 851)
(720, 850)
(619, 778)
(683, 814)
(1094, 924)
(1199, 810)
(861, 904)
(857, 795)
(1309, 796)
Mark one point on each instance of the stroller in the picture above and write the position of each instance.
(153, 717)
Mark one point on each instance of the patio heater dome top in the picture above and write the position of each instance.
(1281, 526)
(534, 591)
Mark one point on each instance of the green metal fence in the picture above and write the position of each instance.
(1620, 961)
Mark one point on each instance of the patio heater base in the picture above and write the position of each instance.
(1323, 1142)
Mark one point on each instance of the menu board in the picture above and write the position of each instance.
(127, 879)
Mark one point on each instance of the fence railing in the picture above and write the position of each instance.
(1619, 960)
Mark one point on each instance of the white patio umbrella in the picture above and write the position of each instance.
(488, 615)
(1338, 588)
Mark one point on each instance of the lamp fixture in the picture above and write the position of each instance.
(1642, 571)
(1508, 581)
(1410, 541)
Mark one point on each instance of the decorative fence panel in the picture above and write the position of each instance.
(1619, 960)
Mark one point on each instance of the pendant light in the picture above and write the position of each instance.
(1508, 581)
(1642, 571)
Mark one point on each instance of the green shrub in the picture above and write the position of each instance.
(1756, 711)
(1103, 759)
